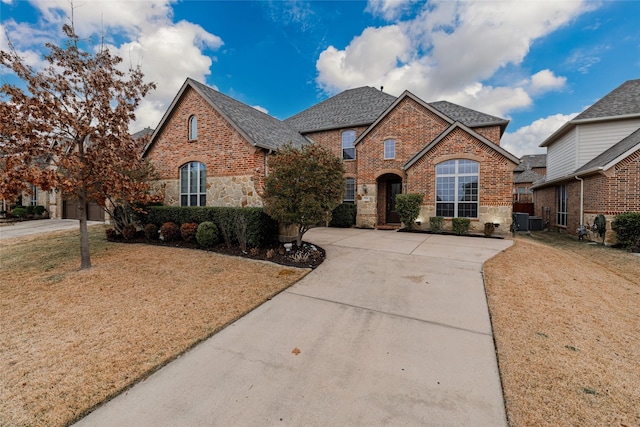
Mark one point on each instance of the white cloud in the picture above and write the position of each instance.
(449, 51)
(6, 1)
(141, 32)
(388, 9)
(545, 80)
(260, 108)
(527, 139)
(367, 60)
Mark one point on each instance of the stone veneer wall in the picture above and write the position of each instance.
(234, 191)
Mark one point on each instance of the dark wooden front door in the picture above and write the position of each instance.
(394, 187)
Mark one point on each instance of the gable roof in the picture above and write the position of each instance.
(363, 105)
(621, 103)
(469, 117)
(353, 107)
(527, 176)
(454, 126)
(613, 155)
(259, 129)
(530, 161)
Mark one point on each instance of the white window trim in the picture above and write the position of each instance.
(193, 128)
(391, 140)
(201, 191)
(349, 200)
(351, 146)
(563, 199)
(457, 174)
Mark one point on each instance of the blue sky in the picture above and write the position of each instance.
(537, 63)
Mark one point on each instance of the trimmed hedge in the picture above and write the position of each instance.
(436, 223)
(261, 228)
(408, 207)
(627, 228)
(344, 215)
(460, 225)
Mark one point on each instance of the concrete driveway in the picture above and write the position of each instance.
(392, 329)
(26, 228)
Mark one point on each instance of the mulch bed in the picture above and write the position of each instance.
(307, 256)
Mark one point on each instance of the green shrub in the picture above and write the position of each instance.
(461, 225)
(408, 207)
(436, 223)
(188, 231)
(169, 232)
(627, 228)
(30, 209)
(129, 231)
(151, 231)
(110, 233)
(39, 210)
(207, 234)
(260, 227)
(19, 212)
(344, 215)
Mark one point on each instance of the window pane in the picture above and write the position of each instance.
(203, 178)
(350, 190)
(468, 188)
(468, 210)
(348, 153)
(184, 178)
(444, 209)
(446, 168)
(467, 166)
(390, 149)
(193, 200)
(203, 200)
(348, 150)
(193, 127)
(445, 189)
(183, 200)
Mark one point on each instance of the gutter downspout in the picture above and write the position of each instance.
(581, 201)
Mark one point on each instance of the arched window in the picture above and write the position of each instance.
(193, 184)
(457, 188)
(193, 128)
(348, 149)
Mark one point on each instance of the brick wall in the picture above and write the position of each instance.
(219, 146)
(332, 139)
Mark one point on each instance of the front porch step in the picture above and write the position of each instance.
(388, 227)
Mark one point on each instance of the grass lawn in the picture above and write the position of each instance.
(71, 339)
(566, 321)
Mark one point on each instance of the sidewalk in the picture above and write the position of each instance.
(393, 328)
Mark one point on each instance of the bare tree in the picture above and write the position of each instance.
(70, 129)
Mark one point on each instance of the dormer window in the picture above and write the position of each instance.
(193, 128)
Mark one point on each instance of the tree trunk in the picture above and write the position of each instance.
(85, 257)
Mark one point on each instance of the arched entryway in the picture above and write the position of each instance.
(389, 185)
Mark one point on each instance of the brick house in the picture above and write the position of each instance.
(593, 164)
(213, 150)
(532, 168)
(448, 153)
(210, 149)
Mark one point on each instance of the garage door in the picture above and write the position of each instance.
(70, 211)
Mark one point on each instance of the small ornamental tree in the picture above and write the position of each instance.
(69, 130)
(303, 186)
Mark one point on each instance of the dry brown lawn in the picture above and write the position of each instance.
(71, 339)
(566, 319)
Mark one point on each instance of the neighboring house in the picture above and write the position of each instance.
(532, 168)
(593, 163)
(213, 150)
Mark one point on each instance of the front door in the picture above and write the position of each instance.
(394, 187)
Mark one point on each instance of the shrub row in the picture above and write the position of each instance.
(24, 211)
(627, 228)
(247, 227)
